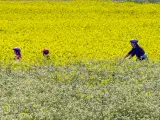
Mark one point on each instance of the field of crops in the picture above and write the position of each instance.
(93, 91)
(74, 31)
(92, 37)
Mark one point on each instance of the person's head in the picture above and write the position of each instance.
(134, 43)
(45, 52)
(17, 50)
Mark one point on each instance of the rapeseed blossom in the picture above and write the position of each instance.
(74, 31)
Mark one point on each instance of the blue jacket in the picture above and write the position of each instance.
(138, 51)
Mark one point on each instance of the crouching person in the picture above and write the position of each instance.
(17, 52)
(46, 53)
(136, 50)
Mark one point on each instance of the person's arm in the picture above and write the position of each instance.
(129, 53)
(132, 54)
(126, 56)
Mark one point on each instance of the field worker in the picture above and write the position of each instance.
(46, 53)
(17, 52)
(136, 50)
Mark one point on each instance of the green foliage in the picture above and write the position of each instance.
(98, 90)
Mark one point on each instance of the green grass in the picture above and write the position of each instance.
(103, 90)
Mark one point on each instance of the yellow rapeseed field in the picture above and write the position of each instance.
(74, 31)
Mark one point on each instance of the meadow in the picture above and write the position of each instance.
(85, 78)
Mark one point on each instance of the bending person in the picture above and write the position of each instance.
(17, 52)
(46, 53)
(136, 50)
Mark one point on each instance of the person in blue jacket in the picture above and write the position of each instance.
(136, 50)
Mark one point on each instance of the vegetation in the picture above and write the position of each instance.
(85, 90)
(74, 31)
(85, 77)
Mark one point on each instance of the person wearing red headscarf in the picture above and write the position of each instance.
(46, 53)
